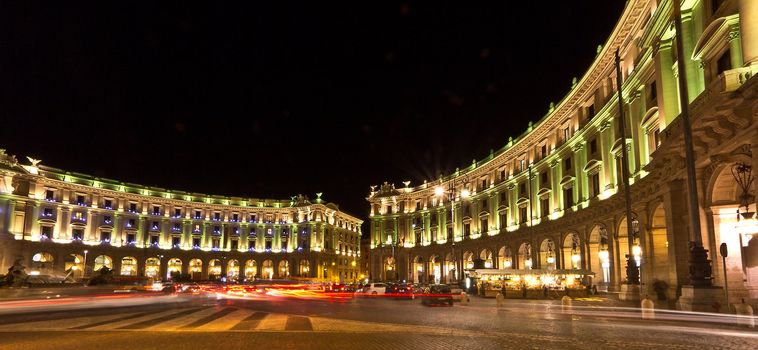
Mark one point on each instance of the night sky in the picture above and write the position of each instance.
(268, 100)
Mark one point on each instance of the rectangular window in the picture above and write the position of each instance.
(107, 220)
(466, 230)
(46, 232)
(235, 217)
(545, 207)
(568, 197)
(177, 212)
(177, 227)
(130, 238)
(543, 151)
(567, 164)
(450, 233)
(418, 205)
(47, 212)
(216, 230)
(217, 216)
(523, 217)
(503, 219)
(108, 204)
(389, 209)
(252, 218)
(133, 207)
(268, 245)
(156, 210)
(594, 184)
(593, 146)
(198, 214)
(50, 195)
(77, 234)
(154, 226)
(105, 237)
(522, 164)
(216, 243)
(196, 242)
(176, 242)
(591, 111)
(724, 63)
(566, 133)
(483, 225)
(522, 189)
(131, 223)
(80, 200)
(503, 199)
(484, 184)
(543, 178)
(284, 245)
(502, 175)
(234, 245)
(153, 240)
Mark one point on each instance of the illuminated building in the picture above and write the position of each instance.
(58, 222)
(552, 198)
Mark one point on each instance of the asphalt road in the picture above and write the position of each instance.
(286, 323)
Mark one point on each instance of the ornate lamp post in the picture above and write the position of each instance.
(575, 256)
(603, 255)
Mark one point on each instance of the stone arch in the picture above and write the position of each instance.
(505, 257)
(571, 250)
(233, 269)
(74, 266)
(418, 270)
(173, 267)
(267, 269)
(599, 256)
(251, 269)
(196, 269)
(623, 242)
(304, 267)
(102, 261)
(214, 269)
(284, 269)
(658, 247)
(468, 260)
(547, 255)
(450, 270)
(435, 268)
(489, 259)
(524, 260)
(152, 267)
(390, 268)
(129, 266)
(42, 264)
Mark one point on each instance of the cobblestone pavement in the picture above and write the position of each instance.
(364, 324)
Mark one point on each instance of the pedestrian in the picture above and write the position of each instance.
(544, 291)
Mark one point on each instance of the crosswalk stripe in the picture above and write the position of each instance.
(178, 322)
(59, 323)
(111, 319)
(153, 321)
(226, 322)
(273, 322)
(209, 318)
(298, 323)
(251, 322)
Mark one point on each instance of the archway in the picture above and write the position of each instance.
(42, 264)
(600, 257)
(547, 254)
(233, 269)
(284, 268)
(571, 253)
(214, 269)
(268, 269)
(304, 268)
(152, 267)
(103, 261)
(435, 266)
(622, 246)
(525, 256)
(505, 258)
(251, 269)
(128, 266)
(196, 269)
(486, 256)
(468, 260)
(174, 267)
(418, 269)
(659, 253)
(389, 269)
(450, 271)
(74, 266)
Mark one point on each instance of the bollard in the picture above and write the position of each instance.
(746, 311)
(566, 303)
(464, 298)
(499, 299)
(648, 308)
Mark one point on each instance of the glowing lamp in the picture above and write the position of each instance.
(575, 258)
(603, 255)
(636, 251)
(465, 193)
(528, 263)
(439, 191)
(550, 260)
(507, 264)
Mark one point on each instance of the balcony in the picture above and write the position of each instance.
(79, 219)
(176, 229)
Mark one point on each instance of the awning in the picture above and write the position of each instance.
(500, 272)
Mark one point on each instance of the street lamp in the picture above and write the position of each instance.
(393, 265)
(575, 256)
(85, 264)
(440, 192)
(603, 255)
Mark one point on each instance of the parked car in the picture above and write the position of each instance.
(375, 289)
(438, 294)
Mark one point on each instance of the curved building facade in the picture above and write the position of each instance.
(64, 224)
(552, 198)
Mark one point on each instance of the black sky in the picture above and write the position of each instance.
(267, 99)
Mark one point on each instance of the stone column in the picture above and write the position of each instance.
(748, 10)
(735, 47)
(689, 39)
(116, 238)
(666, 84)
(65, 222)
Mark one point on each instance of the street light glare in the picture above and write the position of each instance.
(439, 191)
(465, 194)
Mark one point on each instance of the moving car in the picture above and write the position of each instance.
(438, 294)
(401, 291)
(375, 289)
